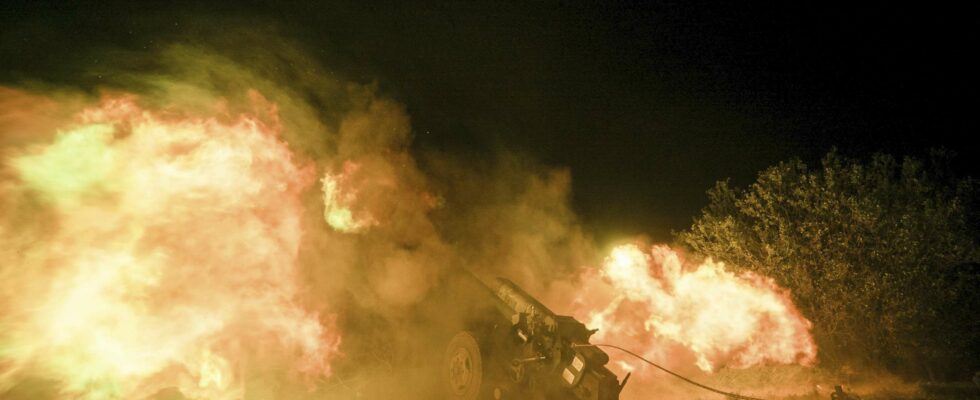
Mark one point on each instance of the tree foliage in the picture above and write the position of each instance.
(881, 255)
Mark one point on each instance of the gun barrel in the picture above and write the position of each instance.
(519, 301)
(510, 299)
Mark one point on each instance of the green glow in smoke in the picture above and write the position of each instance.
(76, 164)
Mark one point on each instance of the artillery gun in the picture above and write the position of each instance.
(516, 348)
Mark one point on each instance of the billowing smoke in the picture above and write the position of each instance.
(148, 249)
(244, 224)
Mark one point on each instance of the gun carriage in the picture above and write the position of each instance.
(519, 349)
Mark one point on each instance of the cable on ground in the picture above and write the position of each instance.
(702, 386)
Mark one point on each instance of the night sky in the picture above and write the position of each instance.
(648, 104)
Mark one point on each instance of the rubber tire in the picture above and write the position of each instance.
(463, 368)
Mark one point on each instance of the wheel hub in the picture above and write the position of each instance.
(460, 370)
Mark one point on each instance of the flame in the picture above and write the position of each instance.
(165, 248)
(652, 300)
(213, 371)
(340, 198)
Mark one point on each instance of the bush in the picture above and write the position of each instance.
(880, 255)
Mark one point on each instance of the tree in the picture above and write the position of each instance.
(880, 255)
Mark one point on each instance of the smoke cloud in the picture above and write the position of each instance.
(242, 222)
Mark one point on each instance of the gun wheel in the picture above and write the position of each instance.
(464, 367)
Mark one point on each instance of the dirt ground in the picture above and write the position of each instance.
(795, 383)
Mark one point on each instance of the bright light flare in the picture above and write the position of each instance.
(340, 197)
(164, 248)
(652, 300)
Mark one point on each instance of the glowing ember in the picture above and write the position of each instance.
(164, 245)
(653, 300)
(338, 200)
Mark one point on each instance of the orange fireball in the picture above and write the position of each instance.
(163, 247)
(652, 301)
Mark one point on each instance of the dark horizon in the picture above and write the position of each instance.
(647, 104)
